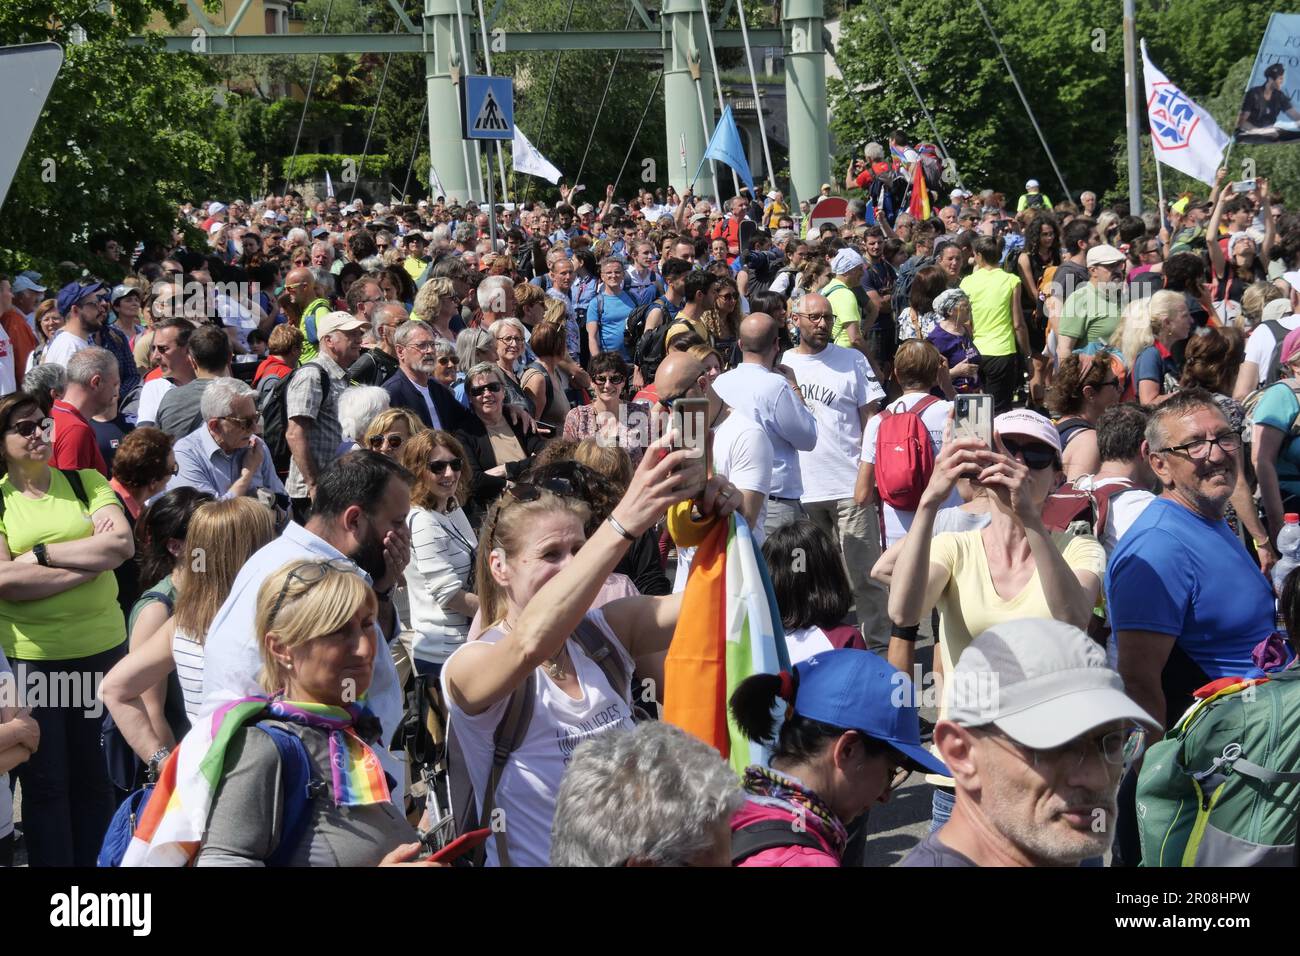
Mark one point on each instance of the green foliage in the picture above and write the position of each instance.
(313, 166)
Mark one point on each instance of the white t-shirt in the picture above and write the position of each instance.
(955, 520)
(804, 642)
(428, 403)
(531, 779)
(742, 452)
(8, 698)
(62, 347)
(1260, 345)
(1123, 509)
(835, 383)
(151, 396)
(935, 419)
(8, 380)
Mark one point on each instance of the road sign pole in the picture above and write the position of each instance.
(492, 208)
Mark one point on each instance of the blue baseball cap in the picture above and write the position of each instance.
(858, 690)
(74, 293)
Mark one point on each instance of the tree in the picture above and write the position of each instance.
(129, 132)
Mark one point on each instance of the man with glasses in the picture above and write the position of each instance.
(224, 456)
(379, 362)
(85, 311)
(1091, 313)
(415, 386)
(1036, 736)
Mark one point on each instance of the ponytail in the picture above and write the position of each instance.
(753, 701)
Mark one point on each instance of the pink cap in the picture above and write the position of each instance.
(1027, 424)
(1290, 346)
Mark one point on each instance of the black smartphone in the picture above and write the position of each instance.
(690, 419)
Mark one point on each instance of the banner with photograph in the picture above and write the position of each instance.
(1269, 113)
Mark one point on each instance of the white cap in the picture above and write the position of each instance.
(1032, 184)
(216, 207)
(269, 214)
(215, 228)
(845, 261)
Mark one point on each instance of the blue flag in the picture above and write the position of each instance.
(724, 146)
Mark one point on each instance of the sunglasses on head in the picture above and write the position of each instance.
(1036, 455)
(28, 428)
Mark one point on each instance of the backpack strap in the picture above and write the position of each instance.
(923, 405)
(509, 736)
(162, 598)
(597, 646)
(754, 838)
(78, 487)
(301, 784)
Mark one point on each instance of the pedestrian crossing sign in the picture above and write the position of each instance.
(488, 107)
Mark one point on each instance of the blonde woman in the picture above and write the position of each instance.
(1157, 369)
(222, 536)
(391, 429)
(435, 304)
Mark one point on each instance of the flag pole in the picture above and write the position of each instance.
(1130, 108)
(1160, 184)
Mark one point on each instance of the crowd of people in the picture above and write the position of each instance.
(403, 488)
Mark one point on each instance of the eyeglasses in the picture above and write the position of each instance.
(309, 572)
(815, 316)
(448, 360)
(439, 467)
(245, 423)
(511, 339)
(609, 379)
(1199, 450)
(1117, 748)
(426, 346)
(28, 428)
(477, 390)
(392, 440)
(1035, 455)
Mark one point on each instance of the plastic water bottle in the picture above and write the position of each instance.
(1288, 546)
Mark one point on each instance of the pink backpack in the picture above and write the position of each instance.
(904, 455)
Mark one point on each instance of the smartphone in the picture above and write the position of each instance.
(690, 420)
(461, 845)
(973, 418)
(1245, 186)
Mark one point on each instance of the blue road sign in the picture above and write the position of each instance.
(488, 107)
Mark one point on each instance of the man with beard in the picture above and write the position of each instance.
(84, 308)
(359, 517)
(413, 385)
(1036, 735)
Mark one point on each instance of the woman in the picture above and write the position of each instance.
(398, 286)
(1038, 262)
(472, 347)
(435, 304)
(1245, 262)
(544, 382)
(283, 348)
(59, 616)
(319, 644)
(222, 536)
(586, 281)
(48, 322)
(609, 418)
(510, 340)
(1158, 368)
(811, 590)
(1083, 388)
(358, 406)
(143, 465)
(1274, 451)
(391, 429)
(497, 450)
(439, 581)
(813, 277)
(1131, 338)
(538, 575)
(953, 335)
(1008, 570)
(723, 319)
(918, 320)
(530, 302)
(843, 746)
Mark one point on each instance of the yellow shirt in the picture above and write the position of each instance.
(844, 304)
(991, 292)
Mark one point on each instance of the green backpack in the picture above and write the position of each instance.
(1223, 788)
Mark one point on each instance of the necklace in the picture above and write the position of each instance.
(554, 669)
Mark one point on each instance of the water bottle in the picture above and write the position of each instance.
(1288, 546)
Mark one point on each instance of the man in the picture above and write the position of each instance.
(948, 216)
(85, 310)
(1088, 204)
(740, 449)
(847, 267)
(841, 388)
(413, 387)
(1033, 198)
(360, 517)
(304, 307)
(378, 363)
(729, 228)
(170, 354)
(27, 296)
(17, 341)
(91, 390)
(1091, 313)
(178, 412)
(414, 244)
(606, 816)
(1000, 333)
(769, 396)
(561, 289)
(878, 280)
(1186, 601)
(312, 429)
(1079, 236)
(224, 456)
(496, 299)
(1035, 737)
(641, 281)
(667, 306)
(1256, 123)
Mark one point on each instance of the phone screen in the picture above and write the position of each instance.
(973, 418)
(690, 419)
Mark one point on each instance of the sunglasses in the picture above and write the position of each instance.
(309, 572)
(28, 428)
(448, 360)
(1037, 456)
(478, 390)
(439, 467)
(557, 485)
(245, 423)
(609, 379)
(379, 441)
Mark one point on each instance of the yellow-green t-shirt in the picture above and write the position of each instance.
(969, 604)
(991, 292)
(79, 622)
(845, 306)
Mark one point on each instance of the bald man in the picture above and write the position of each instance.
(305, 304)
(768, 395)
(739, 449)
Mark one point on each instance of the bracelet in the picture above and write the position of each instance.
(622, 532)
(1262, 542)
(385, 595)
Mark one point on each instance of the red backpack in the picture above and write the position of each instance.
(904, 455)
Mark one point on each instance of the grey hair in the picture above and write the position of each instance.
(873, 152)
(323, 278)
(654, 794)
(464, 232)
(441, 233)
(44, 381)
(358, 407)
(377, 316)
(513, 323)
(220, 396)
(327, 247)
(470, 343)
(484, 368)
(492, 290)
(298, 235)
(442, 347)
(1183, 403)
(88, 363)
(402, 334)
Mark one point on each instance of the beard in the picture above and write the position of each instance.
(369, 557)
(1054, 842)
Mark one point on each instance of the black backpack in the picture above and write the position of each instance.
(1273, 372)
(275, 418)
(652, 348)
(635, 327)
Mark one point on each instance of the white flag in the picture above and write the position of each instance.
(436, 184)
(329, 185)
(1183, 135)
(526, 159)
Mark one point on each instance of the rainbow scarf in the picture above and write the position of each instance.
(919, 206)
(175, 817)
(729, 628)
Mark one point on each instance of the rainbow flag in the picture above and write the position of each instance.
(919, 207)
(729, 628)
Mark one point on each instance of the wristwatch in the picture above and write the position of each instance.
(42, 556)
(385, 595)
(156, 761)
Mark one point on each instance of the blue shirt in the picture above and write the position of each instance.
(1178, 573)
(610, 312)
(201, 464)
(1153, 366)
(1278, 408)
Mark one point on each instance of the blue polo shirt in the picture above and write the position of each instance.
(611, 312)
(1176, 572)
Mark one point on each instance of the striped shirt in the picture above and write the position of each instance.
(188, 655)
(305, 400)
(442, 552)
